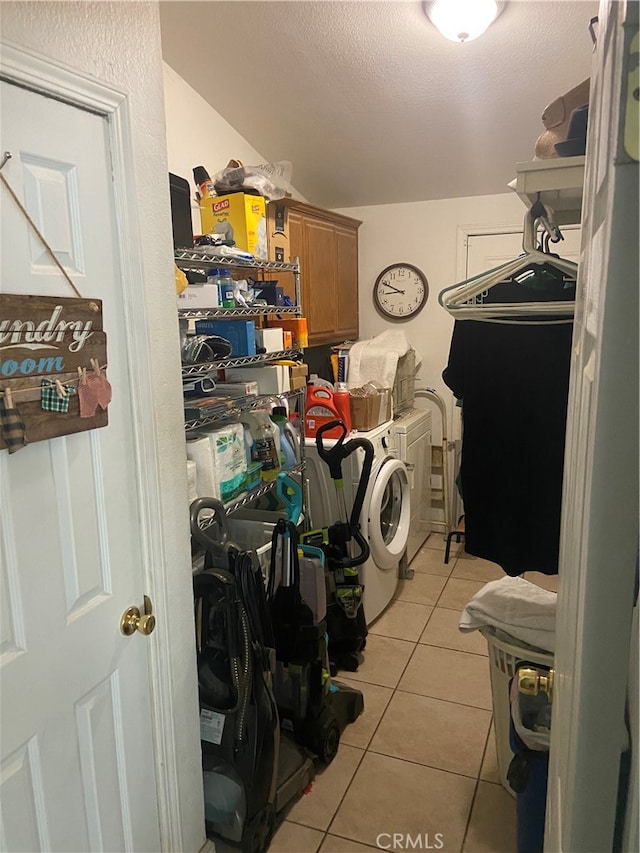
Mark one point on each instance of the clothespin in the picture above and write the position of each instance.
(60, 389)
(8, 399)
(96, 366)
(82, 375)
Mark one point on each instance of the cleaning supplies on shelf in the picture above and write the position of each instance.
(266, 439)
(203, 182)
(289, 493)
(288, 458)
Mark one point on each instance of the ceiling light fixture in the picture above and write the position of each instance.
(463, 20)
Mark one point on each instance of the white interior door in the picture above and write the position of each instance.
(599, 542)
(486, 251)
(77, 768)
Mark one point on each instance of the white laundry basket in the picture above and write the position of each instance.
(503, 660)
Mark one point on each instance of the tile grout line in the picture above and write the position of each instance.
(394, 690)
(346, 791)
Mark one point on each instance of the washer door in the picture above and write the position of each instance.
(389, 514)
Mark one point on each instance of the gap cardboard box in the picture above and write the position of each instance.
(240, 217)
(370, 411)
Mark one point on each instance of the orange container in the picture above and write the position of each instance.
(324, 405)
(298, 328)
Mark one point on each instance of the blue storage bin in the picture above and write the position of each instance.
(241, 334)
(529, 769)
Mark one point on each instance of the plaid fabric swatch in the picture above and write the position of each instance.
(50, 400)
(13, 430)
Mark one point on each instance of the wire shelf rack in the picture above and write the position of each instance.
(191, 257)
(248, 497)
(261, 311)
(232, 408)
(243, 361)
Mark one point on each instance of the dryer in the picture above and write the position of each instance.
(385, 516)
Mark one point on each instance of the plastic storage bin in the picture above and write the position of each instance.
(504, 658)
(529, 739)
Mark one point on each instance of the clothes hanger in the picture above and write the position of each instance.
(465, 301)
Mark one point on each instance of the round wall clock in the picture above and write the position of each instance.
(400, 291)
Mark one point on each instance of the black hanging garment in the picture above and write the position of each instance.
(513, 380)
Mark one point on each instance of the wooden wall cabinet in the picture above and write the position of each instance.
(326, 244)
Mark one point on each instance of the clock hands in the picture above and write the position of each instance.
(394, 289)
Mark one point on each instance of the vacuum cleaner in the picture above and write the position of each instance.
(251, 772)
(313, 707)
(346, 623)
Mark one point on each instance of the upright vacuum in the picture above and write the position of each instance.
(346, 623)
(251, 774)
(313, 707)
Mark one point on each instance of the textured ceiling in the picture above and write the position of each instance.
(370, 103)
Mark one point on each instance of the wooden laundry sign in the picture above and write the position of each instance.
(49, 341)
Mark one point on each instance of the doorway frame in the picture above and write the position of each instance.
(46, 76)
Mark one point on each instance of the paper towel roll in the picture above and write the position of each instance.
(229, 460)
(192, 480)
(199, 451)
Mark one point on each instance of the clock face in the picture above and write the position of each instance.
(400, 291)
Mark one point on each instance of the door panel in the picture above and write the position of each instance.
(77, 752)
(599, 540)
(346, 275)
(320, 275)
(486, 251)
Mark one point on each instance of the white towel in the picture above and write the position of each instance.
(376, 359)
(521, 609)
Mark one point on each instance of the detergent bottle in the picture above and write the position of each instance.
(325, 404)
(266, 437)
(287, 445)
(343, 403)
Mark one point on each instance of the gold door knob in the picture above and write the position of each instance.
(532, 682)
(132, 620)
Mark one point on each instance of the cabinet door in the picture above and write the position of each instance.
(296, 248)
(346, 283)
(319, 277)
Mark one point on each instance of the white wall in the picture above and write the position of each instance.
(197, 135)
(425, 234)
(119, 43)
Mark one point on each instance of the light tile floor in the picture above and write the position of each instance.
(421, 759)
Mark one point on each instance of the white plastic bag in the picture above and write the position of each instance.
(271, 180)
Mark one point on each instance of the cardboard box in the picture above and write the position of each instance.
(298, 329)
(241, 334)
(278, 232)
(298, 375)
(368, 412)
(236, 389)
(198, 297)
(272, 379)
(240, 217)
(271, 339)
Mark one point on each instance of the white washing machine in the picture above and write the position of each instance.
(413, 439)
(385, 516)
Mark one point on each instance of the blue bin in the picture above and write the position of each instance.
(529, 769)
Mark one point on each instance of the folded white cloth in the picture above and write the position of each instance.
(521, 609)
(376, 359)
